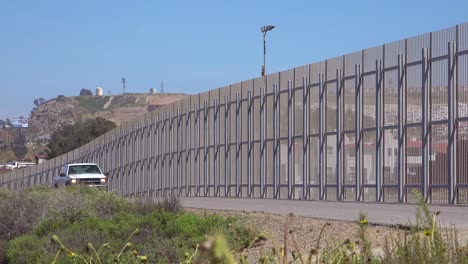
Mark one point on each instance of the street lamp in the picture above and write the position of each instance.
(265, 29)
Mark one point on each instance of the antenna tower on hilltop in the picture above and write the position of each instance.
(123, 85)
(162, 86)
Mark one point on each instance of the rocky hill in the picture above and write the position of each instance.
(55, 113)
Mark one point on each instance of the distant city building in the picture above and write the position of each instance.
(19, 122)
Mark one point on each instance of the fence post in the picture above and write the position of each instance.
(238, 146)
(179, 153)
(188, 128)
(205, 149)
(249, 144)
(305, 136)
(290, 165)
(402, 127)
(378, 130)
(322, 150)
(227, 146)
(216, 147)
(262, 140)
(358, 142)
(426, 68)
(276, 141)
(197, 151)
(339, 135)
(452, 115)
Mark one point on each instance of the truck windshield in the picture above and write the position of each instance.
(82, 169)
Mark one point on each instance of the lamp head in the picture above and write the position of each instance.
(267, 28)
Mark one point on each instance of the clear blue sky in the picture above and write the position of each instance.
(57, 47)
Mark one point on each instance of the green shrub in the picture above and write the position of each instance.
(81, 217)
(164, 236)
(27, 249)
(87, 215)
(19, 212)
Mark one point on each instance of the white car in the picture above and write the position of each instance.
(88, 174)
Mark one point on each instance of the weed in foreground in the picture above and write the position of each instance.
(426, 241)
(103, 253)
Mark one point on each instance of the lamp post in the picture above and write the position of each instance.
(265, 29)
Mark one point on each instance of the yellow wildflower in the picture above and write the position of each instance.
(427, 233)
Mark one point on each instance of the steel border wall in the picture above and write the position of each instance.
(369, 126)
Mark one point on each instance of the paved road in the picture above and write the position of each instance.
(387, 214)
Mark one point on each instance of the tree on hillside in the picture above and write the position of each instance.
(86, 92)
(71, 137)
(19, 145)
(37, 102)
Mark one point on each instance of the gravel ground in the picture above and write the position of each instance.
(303, 232)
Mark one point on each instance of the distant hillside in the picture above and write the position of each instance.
(55, 113)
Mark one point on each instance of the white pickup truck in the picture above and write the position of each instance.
(88, 174)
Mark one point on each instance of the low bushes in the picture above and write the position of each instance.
(85, 225)
(80, 219)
